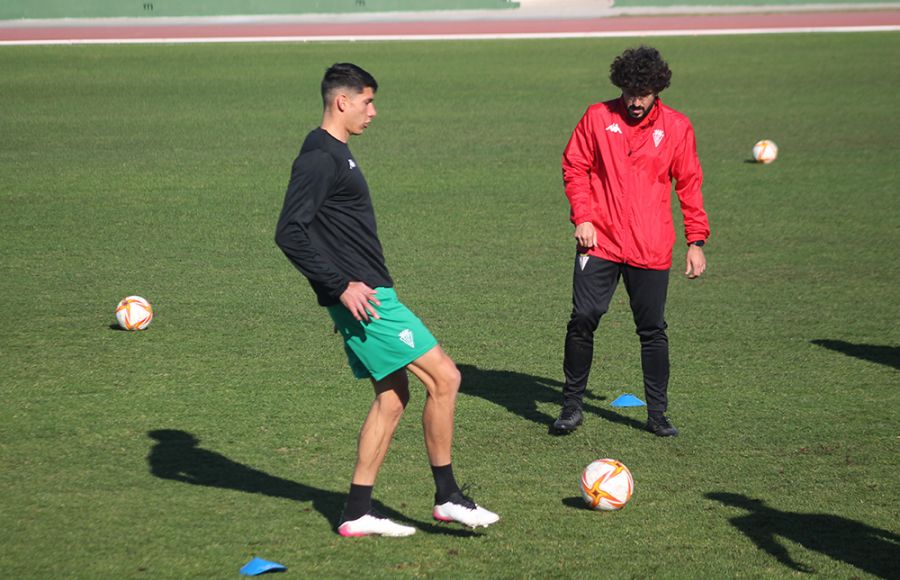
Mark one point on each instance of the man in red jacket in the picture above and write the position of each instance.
(618, 170)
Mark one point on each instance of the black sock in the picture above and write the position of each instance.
(359, 502)
(444, 482)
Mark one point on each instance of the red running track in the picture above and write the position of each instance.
(826, 20)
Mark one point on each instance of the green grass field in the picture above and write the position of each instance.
(160, 171)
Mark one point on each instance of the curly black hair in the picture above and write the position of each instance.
(640, 71)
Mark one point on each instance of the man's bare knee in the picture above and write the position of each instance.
(438, 373)
(448, 380)
(392, 394)
(392, 407)
(454, 377)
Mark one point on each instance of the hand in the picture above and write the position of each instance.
(696, 262)
(358, 298)
(586, 235)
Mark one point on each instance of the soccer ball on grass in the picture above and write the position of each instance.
(765, 151)
(606, 484)
(134, 313)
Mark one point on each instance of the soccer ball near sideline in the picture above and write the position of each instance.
(606, 484)
(765, 151)
(134, 313)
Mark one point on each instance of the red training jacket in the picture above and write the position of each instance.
(618, 176)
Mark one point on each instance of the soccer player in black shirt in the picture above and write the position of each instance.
(327, 230)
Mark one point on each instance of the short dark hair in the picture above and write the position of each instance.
(640, 71)
(345, 75)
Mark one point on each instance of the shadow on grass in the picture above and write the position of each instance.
(872, 550)
(884, 355)
(177, 456)
(520, 394)
(575, 502)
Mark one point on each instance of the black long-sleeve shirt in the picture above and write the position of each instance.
(327, 224)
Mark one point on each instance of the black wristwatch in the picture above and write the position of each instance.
(698, 243)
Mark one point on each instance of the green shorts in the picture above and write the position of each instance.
(381, 346)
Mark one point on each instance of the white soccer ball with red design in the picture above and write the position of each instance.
(134, 313)
(765, 151)
(606, 484)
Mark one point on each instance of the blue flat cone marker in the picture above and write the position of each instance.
(628, 400)
(258, 566)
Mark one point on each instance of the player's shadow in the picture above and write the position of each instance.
(870, 549)
(521, 394)
(880, 354)
(177, 456)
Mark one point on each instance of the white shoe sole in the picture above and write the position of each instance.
(369, 526)
(477, 518)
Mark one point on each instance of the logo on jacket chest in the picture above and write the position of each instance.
(614, 128)
(658, 137)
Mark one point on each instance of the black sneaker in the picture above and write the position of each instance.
(569, 420)
(661, 427)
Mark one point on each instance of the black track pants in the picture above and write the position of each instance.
(592, 289)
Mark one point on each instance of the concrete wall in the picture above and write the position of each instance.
(16, 9)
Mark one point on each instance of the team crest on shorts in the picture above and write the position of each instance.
(407, 337)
